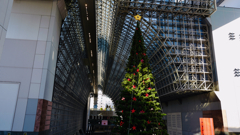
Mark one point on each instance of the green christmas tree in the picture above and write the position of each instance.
(139, 112)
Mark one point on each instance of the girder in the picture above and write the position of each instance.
(178, 48)
(106, 12)
(190, 7)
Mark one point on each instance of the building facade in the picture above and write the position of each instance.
(53, 54)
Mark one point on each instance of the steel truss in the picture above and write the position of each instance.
(71, 84)
(106, 11)
(188, 7)
(178, 48)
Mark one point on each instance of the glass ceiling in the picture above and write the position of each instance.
(173, 41)
(105, 10)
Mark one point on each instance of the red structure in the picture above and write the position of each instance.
(206, 126)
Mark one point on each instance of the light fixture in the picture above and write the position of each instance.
(91, 54)
(89, 35)
(86, 11)
(93, 71)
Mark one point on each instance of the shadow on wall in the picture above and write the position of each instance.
(224, 15)
(233, 131)
(206, 105)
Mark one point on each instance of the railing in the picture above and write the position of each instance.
(96, 109)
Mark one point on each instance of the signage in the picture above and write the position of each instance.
(236, 72)
(104, 122)
(231, 36)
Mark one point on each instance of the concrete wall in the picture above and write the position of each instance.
(191, 109)
(29, 58)
(5, 11)
(225, 21)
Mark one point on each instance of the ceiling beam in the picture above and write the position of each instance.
(87, 10)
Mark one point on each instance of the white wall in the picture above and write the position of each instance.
(227, 53)
(8, 100)
(5, 10)
(29, 56)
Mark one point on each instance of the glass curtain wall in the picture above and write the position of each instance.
(177, 41)
(71, 85)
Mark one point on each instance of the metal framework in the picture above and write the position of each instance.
(71, 84)
(174, 33)
(106, 11)
(178, 45)
(189, 7)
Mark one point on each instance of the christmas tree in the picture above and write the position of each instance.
(139, 112)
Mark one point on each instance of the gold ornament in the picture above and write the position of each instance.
(137, 17)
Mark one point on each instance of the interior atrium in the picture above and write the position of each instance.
(63, 63)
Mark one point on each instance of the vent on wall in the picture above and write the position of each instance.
(174, 123)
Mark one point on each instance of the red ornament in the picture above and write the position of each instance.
(134, 99)
(121, 123)
(122, 111)
(159, 123)
(139, 40)
(123, 98)
(133, 73)
(134, 128)
(134, 86)
(137, 70)
(142, 111)
(147, 95)
(144, 54)
(136, 53)
(147, 78)
(142, 60)
(148, 122)
(149, 88)
(133, 66)
(136, 28)
(129, 79)
(133, 110)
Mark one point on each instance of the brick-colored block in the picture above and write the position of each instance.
(43, 115)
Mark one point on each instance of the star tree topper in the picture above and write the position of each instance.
(137, 17)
